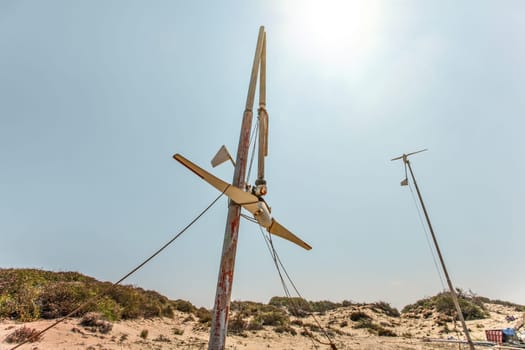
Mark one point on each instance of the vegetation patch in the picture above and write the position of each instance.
(204, 315)
(472, 307)
(300, 307)
(29, 294)
(374, 328)
(359, 316)
(94, 321)
(386, 308)
(23, 334)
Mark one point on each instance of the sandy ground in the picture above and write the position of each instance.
(176, 334)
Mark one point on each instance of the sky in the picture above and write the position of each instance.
(96, 97)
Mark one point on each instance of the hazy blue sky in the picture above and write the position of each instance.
(96, 96)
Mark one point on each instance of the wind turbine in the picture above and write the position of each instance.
(404, 182)
(241, 196)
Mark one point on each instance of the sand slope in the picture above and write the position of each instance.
(181, 333)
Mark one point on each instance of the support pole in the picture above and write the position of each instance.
(219, 322)
(263, 119)
(441, 260)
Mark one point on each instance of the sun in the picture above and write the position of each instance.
(332, 31)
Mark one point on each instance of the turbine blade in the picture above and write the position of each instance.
(281, 231)
(423, 150)
(396, 158)
(234, 193)
(409, 154)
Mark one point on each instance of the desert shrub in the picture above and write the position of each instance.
(426, 303)
(95, 322)
(60, 298)
(472, 311)
(374, 328)
(312, 327)
(285, 329)
(108, 307)
(20, 305)
(251, 309)
(297, 322)
(273, 318)
(183, 306)
(188, 318)
(162, 338)
(363, 323)
(445, 304)
(237, 325)
(23, 334)
(358, 316)
(346, 303)
(385, 332)
(204, 315)
(323, 306)
(28, 294)
(298, 307)
(471, 307)
(254, 325)
(167, 311)
(386, 308)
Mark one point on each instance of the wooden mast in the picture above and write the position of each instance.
(219, 322)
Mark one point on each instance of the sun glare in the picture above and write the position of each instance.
(333, 31)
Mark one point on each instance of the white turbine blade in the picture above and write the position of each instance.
(281, 231)
(222, 156)
(234, 193)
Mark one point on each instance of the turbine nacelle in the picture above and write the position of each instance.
(405, 156)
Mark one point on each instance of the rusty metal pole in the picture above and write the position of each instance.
(219, 322)
(442, 261)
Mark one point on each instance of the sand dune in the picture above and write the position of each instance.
(183, 332)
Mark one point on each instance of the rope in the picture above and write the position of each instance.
(427, 236)
(109, 288)
(277, 262)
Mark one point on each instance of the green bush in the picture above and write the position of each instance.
(254, 325)
(471, 307)
(28, 294)
(358, 316)
(204, 315)
(183, 306)
(374, 328)
(298, 307)
(237, 325)
(273, 318)
(386, 308)
(285, 329)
